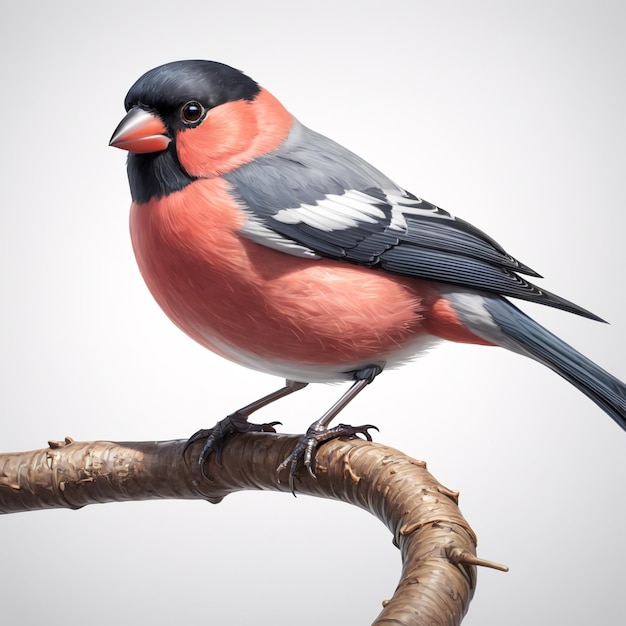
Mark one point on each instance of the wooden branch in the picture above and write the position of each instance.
(436, 543)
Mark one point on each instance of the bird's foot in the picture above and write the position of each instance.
(307, 445)
(235, 423)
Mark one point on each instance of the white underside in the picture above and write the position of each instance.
(316, 373)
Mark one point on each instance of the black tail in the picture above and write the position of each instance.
(529, 337)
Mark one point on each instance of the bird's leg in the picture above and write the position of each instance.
(237, 422)
(319, 431)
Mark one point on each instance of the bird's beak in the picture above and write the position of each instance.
(140, 131)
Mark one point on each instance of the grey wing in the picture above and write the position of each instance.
(313, 198)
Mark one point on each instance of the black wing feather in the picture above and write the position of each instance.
(311, 190)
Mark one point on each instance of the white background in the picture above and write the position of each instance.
(508, 114)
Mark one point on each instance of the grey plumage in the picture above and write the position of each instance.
(313, 197)
(604, 389)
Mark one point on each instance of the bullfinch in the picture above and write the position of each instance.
(283, 251)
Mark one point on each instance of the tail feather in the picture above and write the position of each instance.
(531, 338)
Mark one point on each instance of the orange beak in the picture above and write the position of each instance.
(140, 131)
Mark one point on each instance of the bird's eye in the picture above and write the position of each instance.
(191, 112)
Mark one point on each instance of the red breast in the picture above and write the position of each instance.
(222, 289)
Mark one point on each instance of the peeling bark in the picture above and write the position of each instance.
(436, 543)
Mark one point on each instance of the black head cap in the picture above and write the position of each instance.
(166, 87)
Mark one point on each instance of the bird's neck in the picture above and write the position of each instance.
(156, 175)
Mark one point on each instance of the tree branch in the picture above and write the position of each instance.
(436, 543)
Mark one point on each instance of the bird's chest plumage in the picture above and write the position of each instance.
(261, 307)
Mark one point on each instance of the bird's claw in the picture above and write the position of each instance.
(215, 437)
(307, 446)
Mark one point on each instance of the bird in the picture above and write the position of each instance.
(281, 250)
